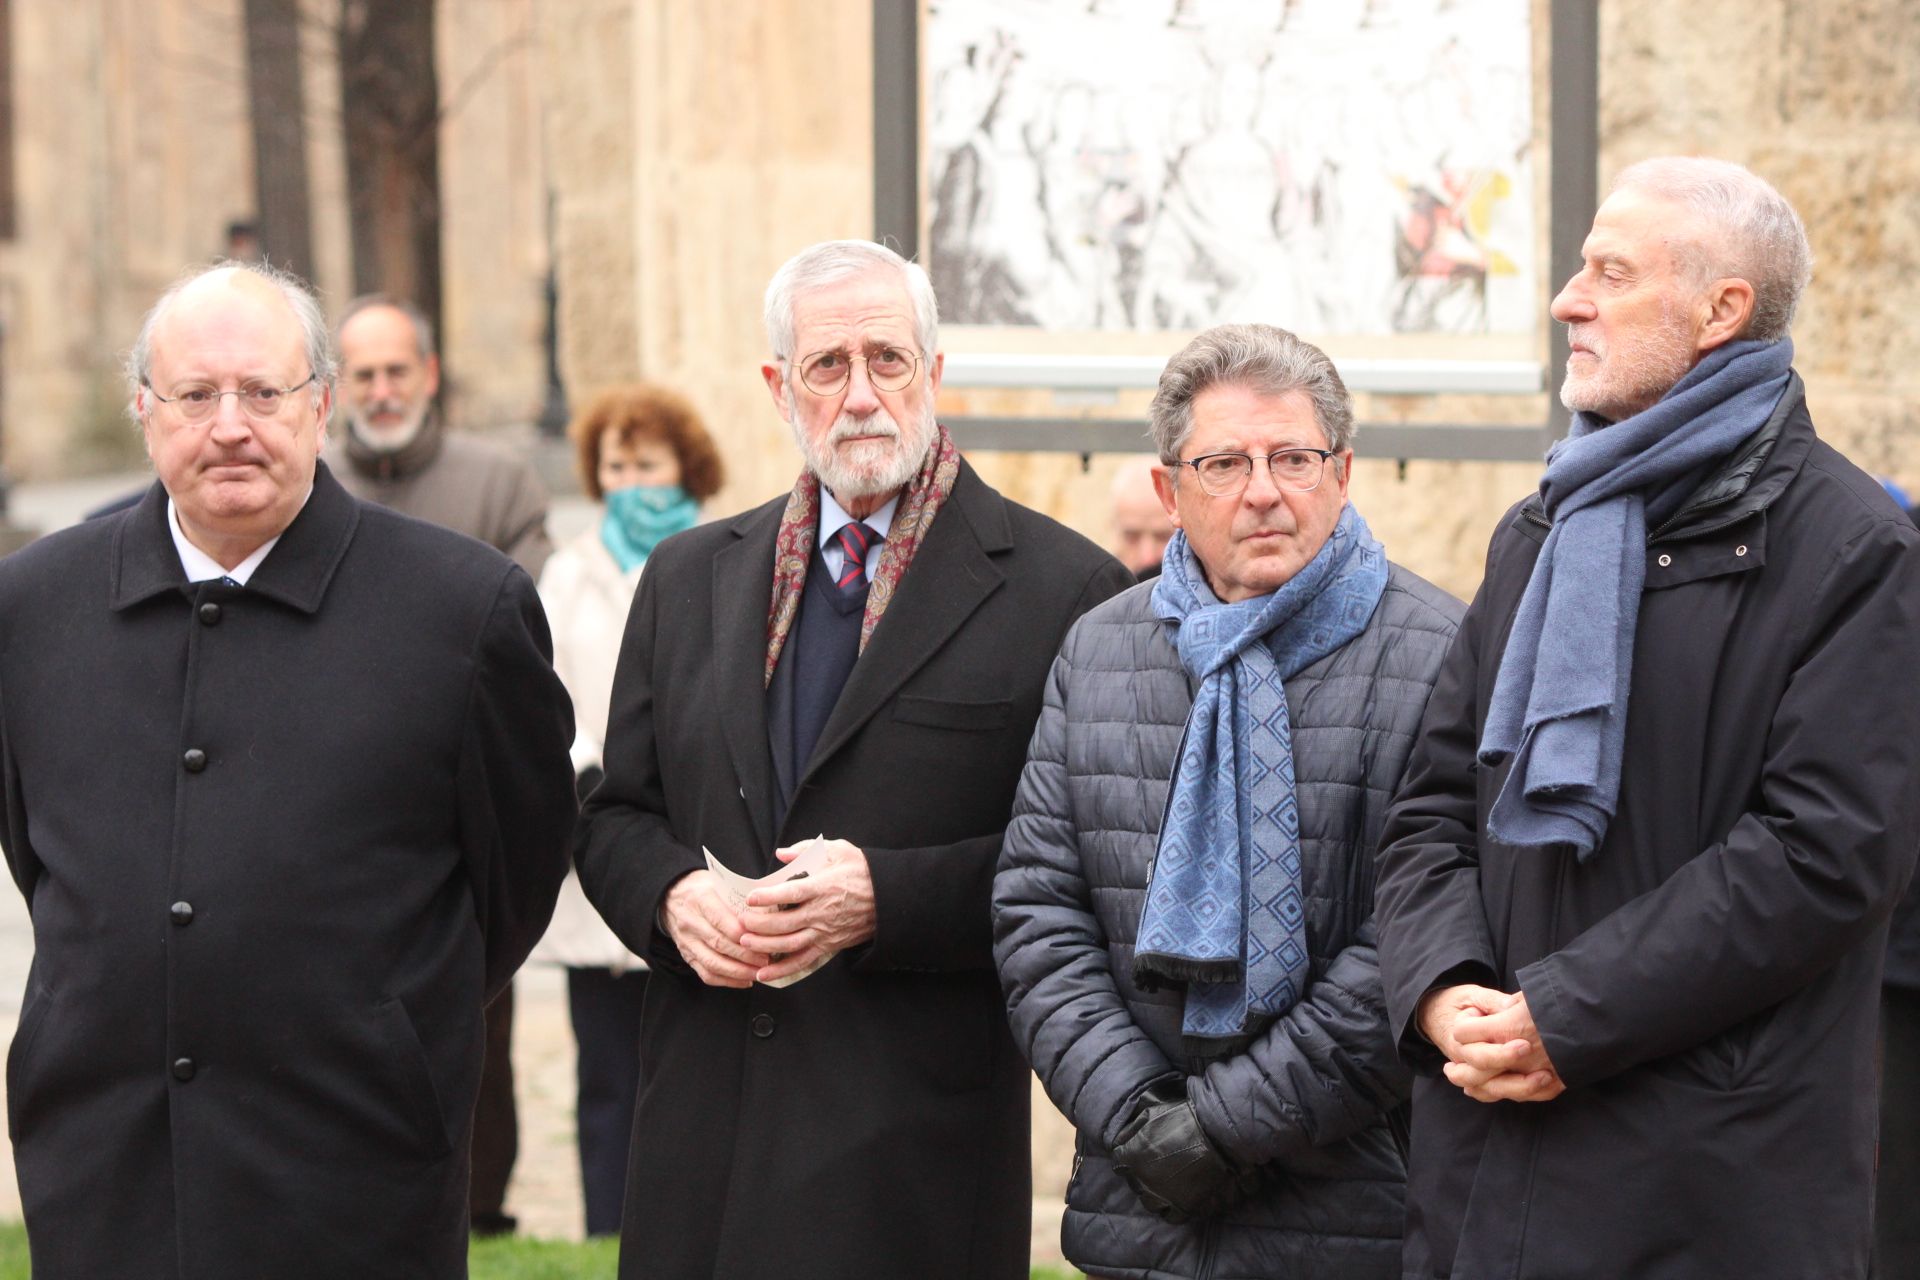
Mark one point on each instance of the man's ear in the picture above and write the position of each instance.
(777, 388)
(1163, 487)
(1727, 308)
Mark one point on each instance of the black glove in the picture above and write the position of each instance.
(1170, 1163)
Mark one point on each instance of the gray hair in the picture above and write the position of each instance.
(1751, 233)
(832, 261)
(298, 295)
(422, 327)
(1259, 357)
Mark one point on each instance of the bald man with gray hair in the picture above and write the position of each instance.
(287, 790)
(1633, 896)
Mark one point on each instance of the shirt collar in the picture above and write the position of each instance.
(833, 516)
(201, 567)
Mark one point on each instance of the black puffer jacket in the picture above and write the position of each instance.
(1313, 1098)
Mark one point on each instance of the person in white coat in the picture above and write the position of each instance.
(643, 451)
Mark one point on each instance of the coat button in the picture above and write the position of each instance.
(183, 1068)
(1740, 551)
(1665, 560)
(181, 913)
(195, 760)
(209, 613)
(763, 1025)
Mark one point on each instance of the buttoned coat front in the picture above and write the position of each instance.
(871, 1120)
(279, 843)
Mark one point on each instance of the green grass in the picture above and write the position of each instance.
(518, 1258)
(513, 1258)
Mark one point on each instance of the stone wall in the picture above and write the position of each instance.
(133, 153)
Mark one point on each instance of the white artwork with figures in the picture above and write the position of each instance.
(1331, 166)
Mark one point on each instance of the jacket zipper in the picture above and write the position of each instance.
(1209, 1247)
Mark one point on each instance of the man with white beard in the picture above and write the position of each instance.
(840, 683)
(396, 451)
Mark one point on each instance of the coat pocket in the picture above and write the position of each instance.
(412, 1074)
(944, 713)
(19, 1054)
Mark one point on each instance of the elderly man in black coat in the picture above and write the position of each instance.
(860, 661)
(1634, 894)
(288, 795)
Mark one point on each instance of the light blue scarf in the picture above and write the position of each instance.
(1224, 911)
(641, 516)
(1559, 704)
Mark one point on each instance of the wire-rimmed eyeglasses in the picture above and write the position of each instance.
(1225, 475)
(197, 402)
(888, 368)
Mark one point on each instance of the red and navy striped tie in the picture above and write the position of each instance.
(854, 538)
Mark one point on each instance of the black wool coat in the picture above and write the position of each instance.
(279, 843)
(871, 1120)
(1707, 983)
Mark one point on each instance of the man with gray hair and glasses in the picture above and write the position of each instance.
(1634, 894)
(286, 788)
(838, 684)
(1183, 914)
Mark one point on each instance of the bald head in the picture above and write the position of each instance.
(293, 293)
(1141, 525)
(231, 406)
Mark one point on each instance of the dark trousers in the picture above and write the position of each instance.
(606, 1026)
(1896, 1230)
(496, 1126)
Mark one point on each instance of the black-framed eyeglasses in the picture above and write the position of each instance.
(197, 402)
(1225, 475)
(888, 368)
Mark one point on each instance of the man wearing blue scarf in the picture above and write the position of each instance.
(1183, 907)
(1634, 893)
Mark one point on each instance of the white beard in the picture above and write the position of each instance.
(387, 439)
(872, 468)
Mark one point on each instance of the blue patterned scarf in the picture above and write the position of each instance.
(1224, 911)
(639, 517)
(1559, 704)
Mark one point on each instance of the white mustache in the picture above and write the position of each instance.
(847, 427)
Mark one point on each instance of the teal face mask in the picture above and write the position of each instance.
(638, 518)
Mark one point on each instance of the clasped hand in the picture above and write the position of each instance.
(784, 928)
(1494, 1051)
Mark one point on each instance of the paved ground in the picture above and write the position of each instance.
(545, 1192)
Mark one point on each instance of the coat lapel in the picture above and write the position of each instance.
(951, 575)
(742, 584)
(295, 573)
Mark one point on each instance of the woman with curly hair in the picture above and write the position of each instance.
(644, 453)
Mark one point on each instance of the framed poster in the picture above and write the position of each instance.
(1336, 167)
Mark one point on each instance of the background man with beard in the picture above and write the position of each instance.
(396, 451)
(1633, 896)
(859, 660)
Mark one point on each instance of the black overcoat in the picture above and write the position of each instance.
(1707, 982)
(871, 1120)
(278, 842)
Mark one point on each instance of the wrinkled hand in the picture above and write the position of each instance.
(809, 917)
(1493, 1049)
(1167, 1159)
(705, 929)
